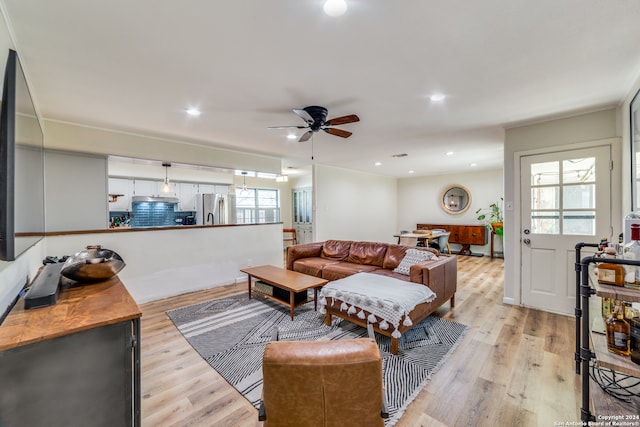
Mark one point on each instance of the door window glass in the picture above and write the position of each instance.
(579, 222)
(563, 197)
(545, 173)
(545, 198)
(545, 222)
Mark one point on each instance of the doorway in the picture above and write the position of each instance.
(565, 199)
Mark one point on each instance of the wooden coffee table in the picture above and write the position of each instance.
(291, 281)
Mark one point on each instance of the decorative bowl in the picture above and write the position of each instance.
(94, 264)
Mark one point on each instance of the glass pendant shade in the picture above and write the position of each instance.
(166, 188)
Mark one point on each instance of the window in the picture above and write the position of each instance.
(257, 205)
(563, 197)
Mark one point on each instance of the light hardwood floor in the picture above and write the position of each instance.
(514, 366)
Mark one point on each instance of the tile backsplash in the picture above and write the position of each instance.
(150, 214)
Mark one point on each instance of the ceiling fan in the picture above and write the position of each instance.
(315, 118)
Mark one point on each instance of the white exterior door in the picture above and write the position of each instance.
(565, 200)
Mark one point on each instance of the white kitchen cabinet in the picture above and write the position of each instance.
(222, 189)
(302, 206)
(175, 189)
(303, 214)
(188, 194)
(143, 187)
(206, 188)
(123, 189)
(304, 233)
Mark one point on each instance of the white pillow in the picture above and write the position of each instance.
(411, 257)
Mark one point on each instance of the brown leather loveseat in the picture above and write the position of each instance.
(337, 259)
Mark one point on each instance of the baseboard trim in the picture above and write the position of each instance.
(509, 301)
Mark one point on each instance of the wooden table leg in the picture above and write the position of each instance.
(465, 250)
(249, 282)
(315, 299)
(292, 303)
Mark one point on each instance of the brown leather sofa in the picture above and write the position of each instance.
(336, 259)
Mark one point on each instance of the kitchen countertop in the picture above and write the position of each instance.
(142, 229)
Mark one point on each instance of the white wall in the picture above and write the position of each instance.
(15, 274)
(162, 263)
(75, 191)
(575, 131)
(71, 137)
(419, 199)
(350, 205)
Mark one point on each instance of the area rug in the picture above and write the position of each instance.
(231, 333)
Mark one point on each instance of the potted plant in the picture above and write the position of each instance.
(492, 217)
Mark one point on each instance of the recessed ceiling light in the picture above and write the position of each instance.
(437, 97)
(335, 7)
(193, 111)
(291, 136)
(449, 153)
(473, 165)
(377, 163)
(410, 171)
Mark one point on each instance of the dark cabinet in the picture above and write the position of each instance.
(76, 363)
(465, 235)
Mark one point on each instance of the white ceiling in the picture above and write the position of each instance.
(136, 65)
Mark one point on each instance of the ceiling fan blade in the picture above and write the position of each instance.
(338, 132)
(288, 127)
(351, 118)
(306, 136)
(304, 115)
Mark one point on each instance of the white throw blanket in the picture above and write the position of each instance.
(386, 298)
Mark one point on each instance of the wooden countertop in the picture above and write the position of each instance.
(79, 308)
(141, 229)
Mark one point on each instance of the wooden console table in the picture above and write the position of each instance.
(465, 235)
(75, 363)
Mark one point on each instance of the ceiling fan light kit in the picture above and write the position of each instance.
(315, 118)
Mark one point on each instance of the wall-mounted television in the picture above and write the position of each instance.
(21, 165)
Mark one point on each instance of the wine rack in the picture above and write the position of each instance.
(593, 345)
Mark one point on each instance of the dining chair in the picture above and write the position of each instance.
(289, 236)
(443, 242)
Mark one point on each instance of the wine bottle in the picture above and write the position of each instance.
(631, 251)
(618, 331)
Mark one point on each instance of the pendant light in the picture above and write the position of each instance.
(244, 190)
(166, 188)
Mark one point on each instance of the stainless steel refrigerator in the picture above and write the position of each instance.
(215, 209)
